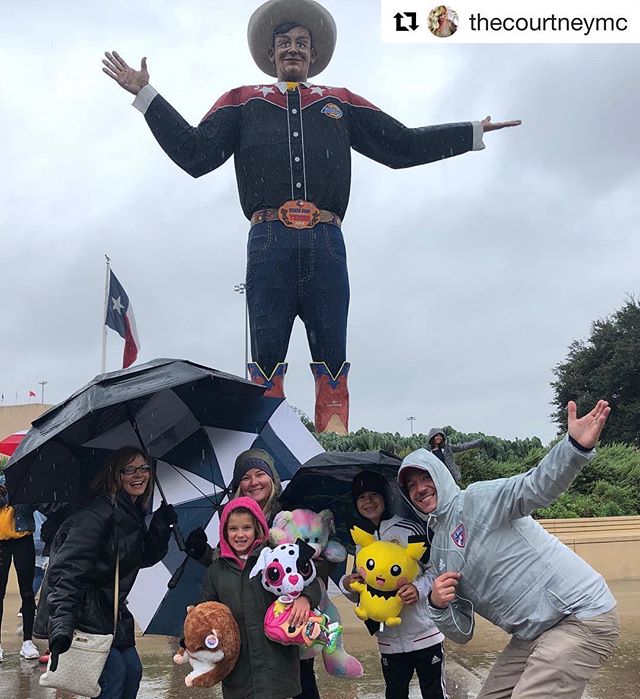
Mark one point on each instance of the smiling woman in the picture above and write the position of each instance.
(255, 476)
(79, 588)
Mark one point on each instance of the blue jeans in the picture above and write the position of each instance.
(300, 273)
(121, 676)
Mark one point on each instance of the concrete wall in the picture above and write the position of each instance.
(611, 545)
(14, 418)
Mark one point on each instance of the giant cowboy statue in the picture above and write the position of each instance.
(292, 147)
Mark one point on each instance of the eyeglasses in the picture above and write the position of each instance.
(130, 470)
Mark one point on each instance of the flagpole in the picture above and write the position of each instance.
(104, 315)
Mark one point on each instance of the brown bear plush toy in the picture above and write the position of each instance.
(212, 644)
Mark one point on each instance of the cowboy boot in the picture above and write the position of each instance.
(332, 398)
(274, 382)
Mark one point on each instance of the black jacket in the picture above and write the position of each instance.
(297, 144)
(80, 579)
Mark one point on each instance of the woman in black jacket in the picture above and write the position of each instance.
(80, 579)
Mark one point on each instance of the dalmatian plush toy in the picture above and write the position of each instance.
(316, 529)
(286, 571)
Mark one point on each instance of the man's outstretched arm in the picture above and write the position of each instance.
(384, 139)
(196, 149)
(506, 499)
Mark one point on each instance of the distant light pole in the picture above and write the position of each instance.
(42, 385)
(411, 418)
(242, 289)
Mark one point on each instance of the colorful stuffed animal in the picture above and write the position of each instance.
(316, 631)
(313, 528)
(316, 529)
(384, 567)
(286, 571)
(212, 644)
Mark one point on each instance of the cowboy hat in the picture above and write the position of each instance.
(306, 13)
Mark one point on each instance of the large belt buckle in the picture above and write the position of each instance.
(299, 214)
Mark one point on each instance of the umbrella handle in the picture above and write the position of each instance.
(175, 578)
(177, 534)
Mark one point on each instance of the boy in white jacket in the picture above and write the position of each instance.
(416, 644)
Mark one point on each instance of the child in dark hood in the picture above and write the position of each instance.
(438, 444)
(264, 669)
(415, 645)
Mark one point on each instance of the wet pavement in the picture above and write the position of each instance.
(466, 665)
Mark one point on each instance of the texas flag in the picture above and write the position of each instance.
(120, 318)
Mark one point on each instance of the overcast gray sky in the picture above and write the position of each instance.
(469, 277)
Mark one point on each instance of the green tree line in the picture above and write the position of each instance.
(608, 486)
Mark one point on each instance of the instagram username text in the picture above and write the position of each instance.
(552, 23)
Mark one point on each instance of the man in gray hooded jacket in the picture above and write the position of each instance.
(493, 558)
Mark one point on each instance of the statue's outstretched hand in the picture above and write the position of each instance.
(488, 125)
(586, 430)
(128, 78)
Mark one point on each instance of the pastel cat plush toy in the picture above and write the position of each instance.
(316, 529)
(211, 644)
(384, 567)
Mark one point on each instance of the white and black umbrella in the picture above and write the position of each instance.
(193, 421)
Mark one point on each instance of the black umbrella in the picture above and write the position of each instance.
(324, 482)
(158, 406)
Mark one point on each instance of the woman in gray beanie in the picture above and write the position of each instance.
(254, 476)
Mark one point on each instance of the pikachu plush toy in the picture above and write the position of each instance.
(384, 567)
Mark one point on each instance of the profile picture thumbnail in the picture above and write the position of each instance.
(443, 21)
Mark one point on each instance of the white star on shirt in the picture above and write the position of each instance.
(116, 304)
(265, 90)
(315, 90)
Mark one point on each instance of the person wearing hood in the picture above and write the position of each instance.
(438, 444)
(264, 669)
(492, 558)
(415, 645)
(254, 476)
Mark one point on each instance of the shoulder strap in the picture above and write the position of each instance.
(116, 580)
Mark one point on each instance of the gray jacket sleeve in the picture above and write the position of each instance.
(456, 621)
(424, 581)
(465, 446)
(499, 501)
